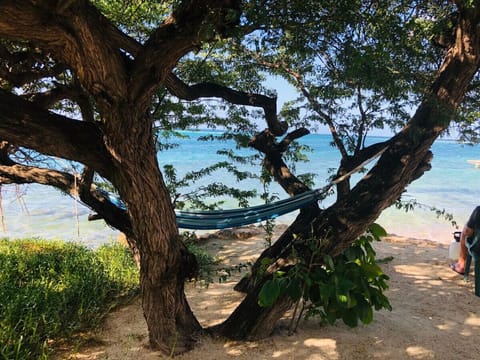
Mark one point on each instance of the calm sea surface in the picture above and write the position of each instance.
(452, 185)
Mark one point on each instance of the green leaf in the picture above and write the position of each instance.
(371, 271)
(350, 318)
(377, 231)
(343, 299)
(269, 293)
(326, 291)
(318, 275)
(329, 262)
(345, 284)
(294, 289)
(365, 313)
(370, 252)
(282, 284)
(353, 252)
(331, 314)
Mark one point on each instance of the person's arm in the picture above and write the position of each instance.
(467, 232)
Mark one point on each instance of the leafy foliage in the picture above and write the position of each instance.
(51, 289)
(136, 18)
(346, 287)
(357, 67)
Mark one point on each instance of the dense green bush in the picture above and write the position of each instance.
(51, 289)
(346, 287)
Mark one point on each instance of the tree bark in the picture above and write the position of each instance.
(165, 263)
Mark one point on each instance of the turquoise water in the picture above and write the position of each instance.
(452, 184)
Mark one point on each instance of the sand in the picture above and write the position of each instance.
(435, 315)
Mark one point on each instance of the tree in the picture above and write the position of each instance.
(346, 70)
(82, 57)
(60, 59)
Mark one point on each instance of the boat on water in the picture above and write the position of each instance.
(476, 163)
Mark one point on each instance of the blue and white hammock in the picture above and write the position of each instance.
(222, 219)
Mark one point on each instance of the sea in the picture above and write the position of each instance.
(446, 194)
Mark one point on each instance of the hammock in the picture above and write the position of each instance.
(222, 219)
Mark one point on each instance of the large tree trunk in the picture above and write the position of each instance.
(249, 320)
(165, 262)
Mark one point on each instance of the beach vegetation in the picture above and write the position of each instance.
(50, 291)
(347, 287)
(105, 85)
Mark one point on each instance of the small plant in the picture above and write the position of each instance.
(209, 267)
(346, 287)
(268, 225)
(207, 264)
(413, 204)
(224, 273)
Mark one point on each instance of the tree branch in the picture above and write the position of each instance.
(104, 208)
(294, 135)
(269, 105)
(361, 156)
(25, 124)
(298, 79)
(12, 173)
(190, 24)
(79, 36)
(60, 92)
(363, 119)
(109, 64)
(21, 174)
(18, 68)
(408, 154)
(273, 162)
(318, 109)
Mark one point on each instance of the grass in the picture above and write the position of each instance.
(50, 290)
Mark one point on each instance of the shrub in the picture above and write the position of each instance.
(51, 289)
(346, 287)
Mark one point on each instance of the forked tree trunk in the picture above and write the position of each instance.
(337, 227)
(165, 263)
